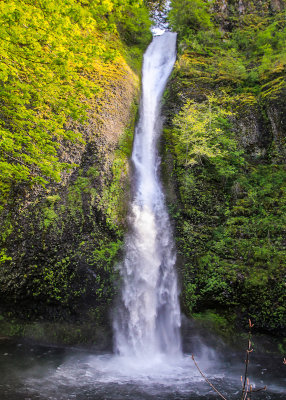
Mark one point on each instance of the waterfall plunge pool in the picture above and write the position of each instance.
(35, 372)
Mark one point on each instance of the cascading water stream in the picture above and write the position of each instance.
(147, 322)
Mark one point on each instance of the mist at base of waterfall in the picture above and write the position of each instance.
(33, 372)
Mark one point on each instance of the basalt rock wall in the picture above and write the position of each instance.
(224, 161)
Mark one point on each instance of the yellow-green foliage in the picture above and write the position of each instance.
(6, 230)
(48, 52)
(4, 257)
(250, 53)
(66, 95)
(114, 197)
(202, 131)
(230, 232)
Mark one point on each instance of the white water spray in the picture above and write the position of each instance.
(147, 322)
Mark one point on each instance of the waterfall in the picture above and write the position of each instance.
(147, 320)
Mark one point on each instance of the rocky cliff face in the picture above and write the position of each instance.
(226, 9)
(61, 244)
(69, 86)
(229, 201)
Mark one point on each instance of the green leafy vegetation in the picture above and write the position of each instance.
(49, 52)
(203, 131)
(69, 88)
(246, 53)
(188, 16)
(226, 132)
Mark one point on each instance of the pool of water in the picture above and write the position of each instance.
(30, 372)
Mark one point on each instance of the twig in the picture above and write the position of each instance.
(248, 351)
(250, 391)
(247, 387)
(259, 390)
(206, 379)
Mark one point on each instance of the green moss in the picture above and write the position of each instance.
(34, 124)
(89, 332)
(53, 199)
(134, 57)
(50, 217)
(233, 246)
(4, 257)
(59, 245)
(228, 201)
(221, 323)
(282, 347)
(114, 198)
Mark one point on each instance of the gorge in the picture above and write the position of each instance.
(84, 251)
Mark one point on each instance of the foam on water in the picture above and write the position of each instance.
(116, 377)
(103, 373)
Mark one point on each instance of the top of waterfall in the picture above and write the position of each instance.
(156, 31)
(159, 17)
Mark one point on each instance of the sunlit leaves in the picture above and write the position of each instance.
(203, 131)
(48, 52)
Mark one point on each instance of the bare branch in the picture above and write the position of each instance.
(259, 390)
(206, 379)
